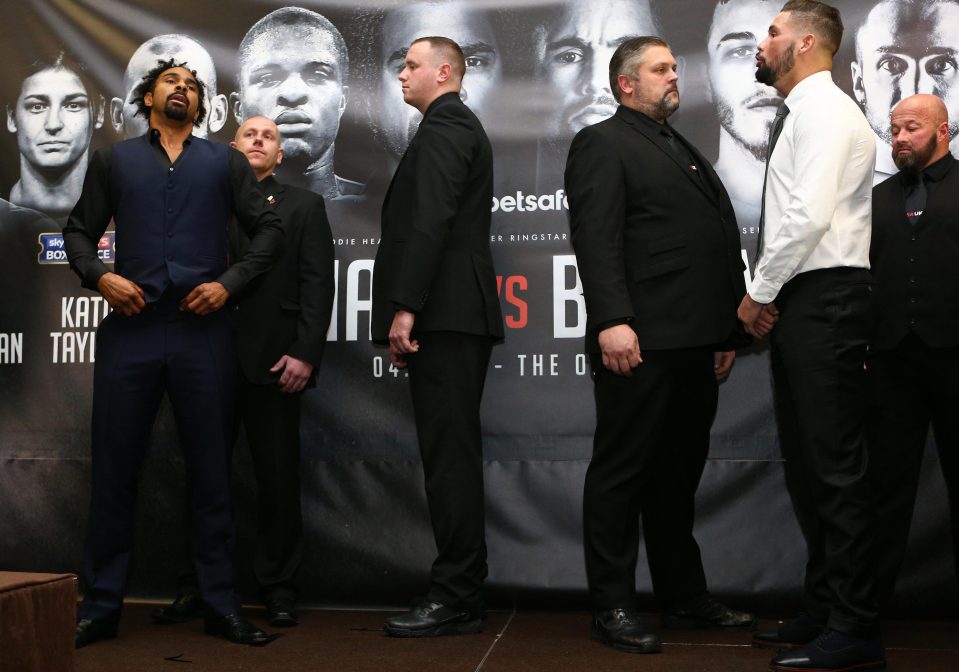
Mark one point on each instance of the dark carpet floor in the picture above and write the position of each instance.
(524, 641)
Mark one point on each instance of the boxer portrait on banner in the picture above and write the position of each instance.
(435, 304)
(170, 195)
(294, 68)
(658, 252)
(905, 47)
(53, 118)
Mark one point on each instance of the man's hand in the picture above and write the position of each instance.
(620, 348)
(123, 295)
(723, 364)
(295, 374)
(400, 343)
(758, 318)
(205, 299)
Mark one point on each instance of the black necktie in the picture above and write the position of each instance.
(680, 153)
(916, 199)
(774, 132)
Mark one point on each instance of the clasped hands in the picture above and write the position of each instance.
(619, 345)
(758, 318)
(126, 297)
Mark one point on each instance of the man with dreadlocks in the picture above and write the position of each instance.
(171, 196)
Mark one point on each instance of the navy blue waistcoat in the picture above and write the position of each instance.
(171, 225)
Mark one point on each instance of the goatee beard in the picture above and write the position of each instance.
(175, 112)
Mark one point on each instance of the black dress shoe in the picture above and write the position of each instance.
(432, 619)
(704, 612)
(621, 629)
(185, 607)
(236, 629)
(281, 612)
(89, 632)
(833, 651)
(791, 634)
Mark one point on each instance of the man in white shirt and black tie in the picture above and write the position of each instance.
(813, 272)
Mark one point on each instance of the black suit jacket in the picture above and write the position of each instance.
(434, 254)
(657, 246)
(287, 310)
(916, 267)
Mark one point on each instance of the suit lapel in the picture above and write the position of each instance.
(659, 141)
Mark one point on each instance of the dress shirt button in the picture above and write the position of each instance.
(169, 186)
(912, 280)
(169, 257)
(169, 234)
(912, 260)
(912, 299)
(912, 320)
(912, 238)
(171, 169)
(170, 212)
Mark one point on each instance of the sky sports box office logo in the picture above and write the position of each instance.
(52, 250)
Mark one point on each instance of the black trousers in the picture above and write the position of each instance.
(913, 386)
(820, 393)
(271, 419)
(649, 450)
(140, 358)
(446, 384)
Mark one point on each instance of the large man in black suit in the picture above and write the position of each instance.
(659, 256)
(435, 302)
(914, 359)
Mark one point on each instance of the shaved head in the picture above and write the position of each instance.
(926, 105)
(258, 121)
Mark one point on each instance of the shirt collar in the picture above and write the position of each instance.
(938, 170)
(650, 123)
(808, 87)
(154, 136)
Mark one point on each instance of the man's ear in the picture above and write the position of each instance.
(237, 106)
(346, 93)
(11, 121)
(98, 119)
(444, 73)
(858, 89)
(116, 114)
(216, 115)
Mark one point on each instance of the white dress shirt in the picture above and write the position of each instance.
(818, 201)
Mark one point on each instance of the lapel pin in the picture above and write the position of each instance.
(271, 200)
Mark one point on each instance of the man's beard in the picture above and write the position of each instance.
(668, 105)
(175, 112)
(769, 75)
(757, 150)
(912, 164)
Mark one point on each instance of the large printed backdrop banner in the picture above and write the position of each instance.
(326, 72)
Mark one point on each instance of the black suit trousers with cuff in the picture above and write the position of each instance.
(827, 318)
(649, 450)
(446, 384)
(271, 419)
